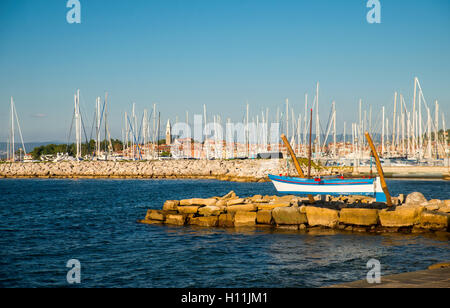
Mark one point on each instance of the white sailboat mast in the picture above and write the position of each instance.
(12, 147)
(78, 125)
(317, 120)
(394, 121)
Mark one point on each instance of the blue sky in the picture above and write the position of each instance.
(183, 54)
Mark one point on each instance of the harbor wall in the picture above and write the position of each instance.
(228, 170)
(236, 170)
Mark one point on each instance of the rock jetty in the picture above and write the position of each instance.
(252, 170)
(411, 214)
(235, 170)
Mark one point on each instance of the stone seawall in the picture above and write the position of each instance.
(413, 214)
(250, 170)
(236, 170)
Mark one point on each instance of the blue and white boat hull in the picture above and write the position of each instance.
(332, 186)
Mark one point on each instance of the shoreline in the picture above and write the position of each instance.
(223, 170)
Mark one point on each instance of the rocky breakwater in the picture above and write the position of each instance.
(411, 214)
(236, 170)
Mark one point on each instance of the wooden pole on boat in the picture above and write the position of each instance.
(296, 163)
(379, 169)
(291, 152)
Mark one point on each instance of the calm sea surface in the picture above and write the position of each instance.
(45, 223)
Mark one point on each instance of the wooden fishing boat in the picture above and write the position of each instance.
(334, 186)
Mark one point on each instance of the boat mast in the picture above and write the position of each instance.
(12, 147)
(414, 117)
(299, 125)
(145, 132)
(403, 125)
(293, 124)
(310, 146)
(287, 119)
(78, 125)
(159, 125)
(317, 121)
(394, 121)
(133, 129)
(387, 139)
(125, 145)
(345, 146)
(305, 133)
(445, 134)
(334, 130)
(359, 132)
(430, 155)
(108, 145)
(420, 124)
(247, 134)
(154, 129)
(436, 128)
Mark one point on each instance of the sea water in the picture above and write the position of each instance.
(46, 223)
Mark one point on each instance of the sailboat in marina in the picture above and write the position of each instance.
(11, 145)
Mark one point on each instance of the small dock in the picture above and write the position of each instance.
(434, 277)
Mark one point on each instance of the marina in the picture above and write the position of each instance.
(412, 140)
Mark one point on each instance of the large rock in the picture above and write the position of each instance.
(415, 198)
(271, 206)
(434, 221)
(175, 219)
(235, 201)
(359, 217)
(444, 209)
(185, 202)
(284, 199)
(150, 222)
(288, 216)
(205, 202)
(210, 211)
(211, 221)
(171, 205)
(230, 195)
(249, 207)
(192, 209)
(198, 201)
(264, 217)
(244, 219)
(226, 220)
(401, 217)
(221, 202)
(155, 215)
(322, 217)
(257, 198)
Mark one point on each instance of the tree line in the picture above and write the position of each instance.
(70, 149)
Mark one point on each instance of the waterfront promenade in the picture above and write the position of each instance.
(430, 278)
